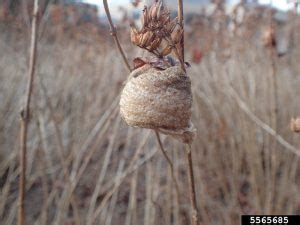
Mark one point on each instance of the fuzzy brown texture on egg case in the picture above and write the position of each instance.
(159, 100)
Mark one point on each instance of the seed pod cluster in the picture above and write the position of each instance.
(159, 34)
(159, 100)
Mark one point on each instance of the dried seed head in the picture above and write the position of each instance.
(167, 50)
(171, 26)
(145, 17)
(152, 11)
(134, 36)
(295, 125)
(155, 44)
(177, 35)
(156, 27)
(144, 39)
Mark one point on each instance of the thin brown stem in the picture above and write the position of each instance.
(192, 189)
(272, 163)
(181, 61)
(25, 116)
(188, 149)
(272, 53)
(170, 164)
(180, 20)
(113, 32)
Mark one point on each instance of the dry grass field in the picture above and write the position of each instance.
(86, 166)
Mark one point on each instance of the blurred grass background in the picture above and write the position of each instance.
(85, 166)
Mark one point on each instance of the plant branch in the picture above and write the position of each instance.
(243, 106)
(113, 33)
(170, 164)
(188, 149)
(192, 190)
(25, 116)
(180, 19)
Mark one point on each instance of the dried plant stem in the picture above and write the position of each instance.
(188, 149)
(271, 159)
(192, 190)
(178, 53)
(274, 84)
(273, 78)
(114, 34)
(180, 19)
(244, 107)
(170, 164)
(181, 60)
(25, 116)
(134, 164)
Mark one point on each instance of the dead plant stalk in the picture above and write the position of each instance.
(180, 18)
(25, 116)
(113, 33)
(192, 189)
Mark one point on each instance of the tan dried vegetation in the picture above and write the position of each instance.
(86, 166)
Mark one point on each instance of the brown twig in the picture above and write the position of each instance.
(25, 116)
(170, 164)
(180, 20)
(189, 149)
(192, 189)
(113, 32)
(272, 161)
(264, 126)
(272, 53)
(271, 44)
